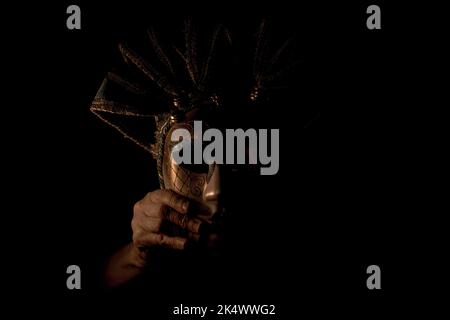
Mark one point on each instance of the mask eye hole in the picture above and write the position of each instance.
(197, 168)
(243, 170)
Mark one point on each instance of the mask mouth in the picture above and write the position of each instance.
(219, 217)
(211, 212)
(215, 219)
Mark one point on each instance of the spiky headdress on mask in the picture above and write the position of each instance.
(171, 81)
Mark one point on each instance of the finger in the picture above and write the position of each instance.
(150, 224)
(171, 199)
(182, 220)
(159, 239)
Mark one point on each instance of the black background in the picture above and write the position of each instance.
(346, 190)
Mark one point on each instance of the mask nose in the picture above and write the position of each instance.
(213, 192)
(213, 188)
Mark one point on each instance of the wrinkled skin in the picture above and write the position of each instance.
(169, 218)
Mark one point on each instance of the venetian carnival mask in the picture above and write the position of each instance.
(171, 81)
(201, 183)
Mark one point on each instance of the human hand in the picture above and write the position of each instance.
(158, 207)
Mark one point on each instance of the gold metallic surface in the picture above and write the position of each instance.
(202, 188)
